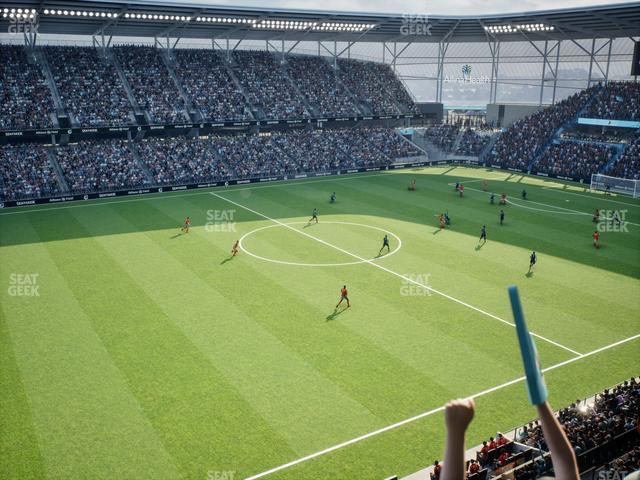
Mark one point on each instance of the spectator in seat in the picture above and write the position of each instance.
(458, 414)
(502, 459)
(437, 470)
(492, 444)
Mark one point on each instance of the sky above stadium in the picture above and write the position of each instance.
(450, 7)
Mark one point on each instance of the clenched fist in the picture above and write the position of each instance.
(458, 414)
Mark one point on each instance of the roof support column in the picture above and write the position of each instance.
(544, 70)
(494, 48)
(555, 74)
(591, 54)
(442, 51)
(606, 75)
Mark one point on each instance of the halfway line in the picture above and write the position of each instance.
(403, 277)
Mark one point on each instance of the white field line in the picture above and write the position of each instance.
(430, 412)
(167, 194)
(403, 277)
(592, 197)
(568, 211)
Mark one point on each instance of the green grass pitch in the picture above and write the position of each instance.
(148, 353)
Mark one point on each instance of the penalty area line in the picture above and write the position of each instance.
(430, 412)
(399, 275)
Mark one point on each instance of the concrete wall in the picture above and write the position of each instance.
(505, 114)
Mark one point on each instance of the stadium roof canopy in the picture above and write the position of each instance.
(192, 20)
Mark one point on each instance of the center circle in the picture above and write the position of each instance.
(300, 264)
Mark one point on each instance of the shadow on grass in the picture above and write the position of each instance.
(335, 314)
(176, 236)
(529, 275)
(228, 259)
(379, 197)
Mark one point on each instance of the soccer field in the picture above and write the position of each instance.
(129, 349)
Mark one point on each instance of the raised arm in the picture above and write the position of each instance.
(562, 455)
(457, 415)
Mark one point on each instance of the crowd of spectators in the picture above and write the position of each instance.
(319, 83)
(94, 166)
(181, 160)
(622, 466)
(443, 136)
(25, 172)
(267, 86)
(617, 101)
(24, 94)
(564, 438)
(92, 91)
(208, 84)
(151, 83)
(376, 86)
(613, 412)
(573, 159)
(628, 163)
(472, 143)
(525, 139)
(89, 86)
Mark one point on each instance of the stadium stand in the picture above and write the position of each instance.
(25, 172)
(443, 136)
(526, 138)
(207, 82)
(180, 160)
(152, 86)
(602, 432)
(616, 101)
(94, 166)
(267, 86)
(319, 83)
(628, 164)
(24, 94)
(573, 159)
(376, 86)
(89, 86)
(472, 143)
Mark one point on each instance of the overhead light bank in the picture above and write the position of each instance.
(528, 27)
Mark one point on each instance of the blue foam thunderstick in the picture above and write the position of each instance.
(535, 381)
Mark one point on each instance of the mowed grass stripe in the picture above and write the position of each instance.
(20, 455)
(498, 264)
(406, 327)
(416, 445)
(308, 297)
(196, 413)
(278, 384)
(81, 406)
(284, 210)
